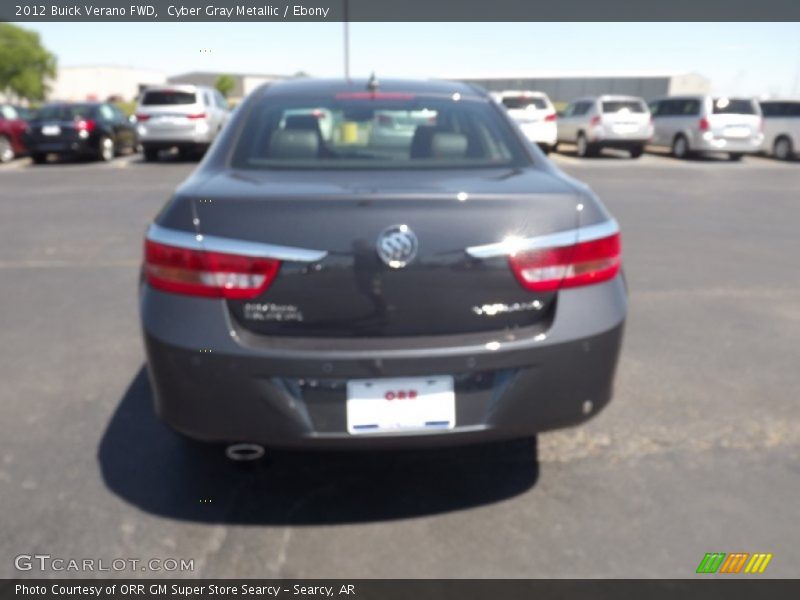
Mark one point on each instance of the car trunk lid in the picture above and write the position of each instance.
(354, 291)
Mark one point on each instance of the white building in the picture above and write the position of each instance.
(565, 86)
(99, 82)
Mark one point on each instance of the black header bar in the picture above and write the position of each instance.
(397, 10)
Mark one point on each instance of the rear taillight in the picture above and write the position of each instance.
(550, 117)
(210, 274)
(385, 120)
(85, 125)
(585, 263)
(594, 121)
(704, 126)
(142, 117)
(196, 116)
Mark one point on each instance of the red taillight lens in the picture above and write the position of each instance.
(197, 116)
(385, 120)
(142, 117)
(585, 263)
(209, 274)
(85, 125)
(704, 126)
(550, 117)
(594, 121)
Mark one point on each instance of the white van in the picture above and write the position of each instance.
(781, 128)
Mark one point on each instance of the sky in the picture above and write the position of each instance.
(739, 58)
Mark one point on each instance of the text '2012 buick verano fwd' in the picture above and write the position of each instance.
(316, 286)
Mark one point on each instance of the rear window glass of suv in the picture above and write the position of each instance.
(342, 132)
(615, 106)
(168, 97)
(8, 112)
(727, 106)
(524, 102)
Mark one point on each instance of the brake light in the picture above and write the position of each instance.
(594, 121)
(142, 117)
(704, 126)
(318, 114)
(550, 117)
(87, 125)
(197, 116)
(209, 274)
(585, 263)
(385, 119)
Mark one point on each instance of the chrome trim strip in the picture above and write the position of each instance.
(511, 245)
(213, 243)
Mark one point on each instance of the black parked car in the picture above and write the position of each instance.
(314, 286)
(87, 129)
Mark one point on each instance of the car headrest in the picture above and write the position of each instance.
(448, 145)
(421, 142)
(302, 122)
(293, 143)
(431, 142)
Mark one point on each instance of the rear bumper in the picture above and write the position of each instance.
(170, 138)
(621, 143)
(751, 145)
(77, 147)
(213, 385)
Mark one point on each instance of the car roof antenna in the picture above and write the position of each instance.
(372, 84)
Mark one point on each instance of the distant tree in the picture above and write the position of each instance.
(26, 65)
(225, 84)
(301, 74)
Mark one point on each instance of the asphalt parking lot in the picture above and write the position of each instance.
(698, 451)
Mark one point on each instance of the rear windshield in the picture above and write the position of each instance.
(727, 106)
(361, 131)
(170, 97)
(8, 112)
(524, 102)
(630, 106)
(66, 112)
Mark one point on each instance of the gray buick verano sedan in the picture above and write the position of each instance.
(311, 285)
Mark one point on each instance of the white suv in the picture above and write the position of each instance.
(534, 113)
(186, 117)
(781, 128)
(606, 122)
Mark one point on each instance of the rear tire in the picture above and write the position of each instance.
(105, 149)
(554, 147)
(545, 148)
(583, 148)
(6, 150)
(637, 151)
(680, 147)
(735, 156)
(150, 154)
(39, 158)
(782, 148)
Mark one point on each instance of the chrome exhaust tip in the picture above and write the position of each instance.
(244, 452)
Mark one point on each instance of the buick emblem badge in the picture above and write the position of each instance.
(397, 246)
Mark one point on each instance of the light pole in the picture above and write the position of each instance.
(346, 42)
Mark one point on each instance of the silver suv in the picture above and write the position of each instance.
(606, 122)
(186, 117)
(694, 124)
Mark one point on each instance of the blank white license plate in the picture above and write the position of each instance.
(737, 132)
(624, 128)
(51, 130)
(403, 404)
